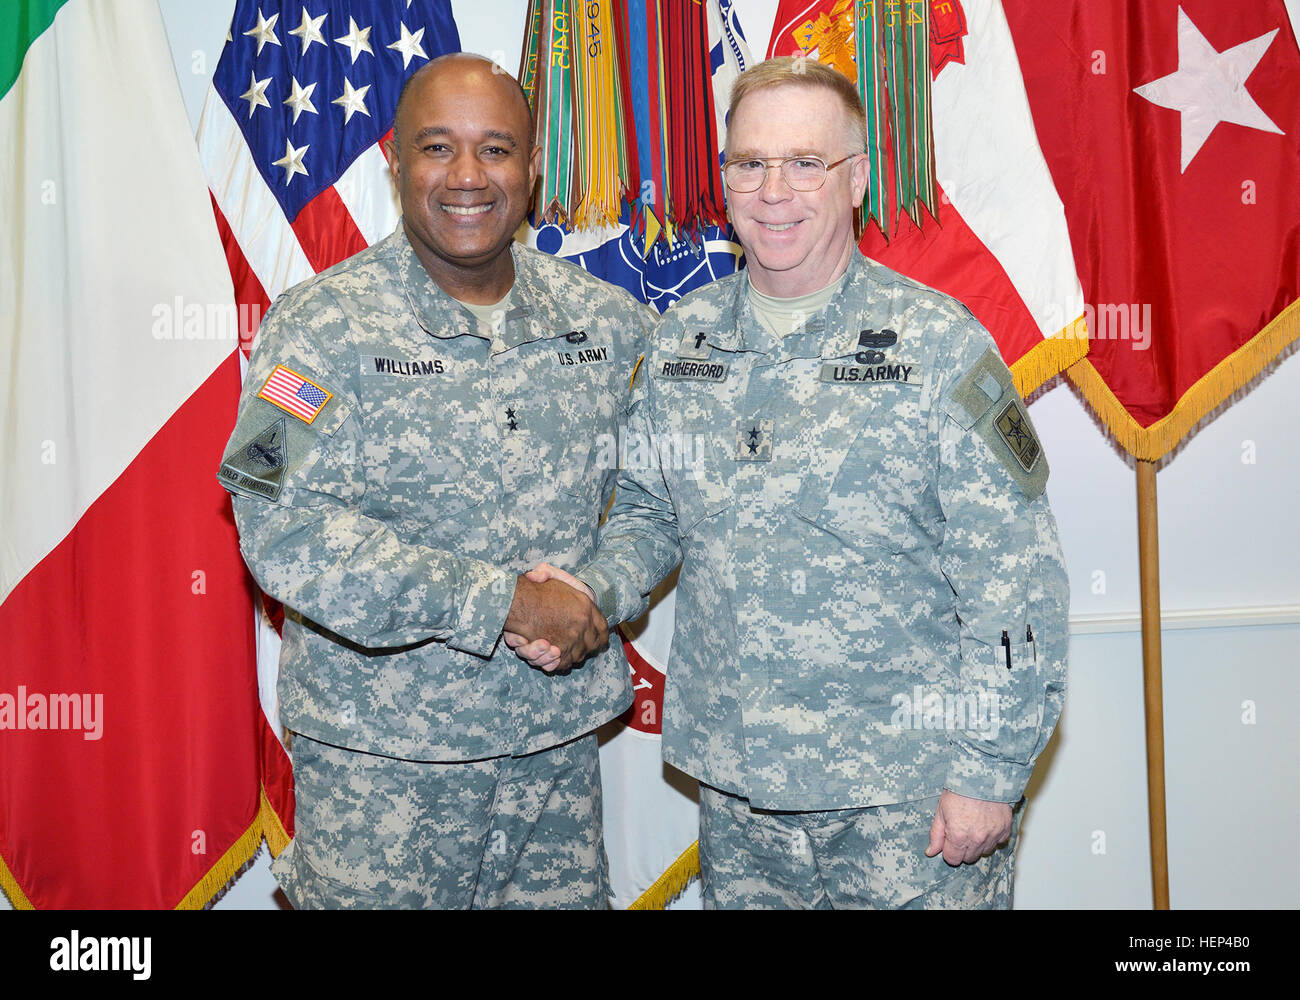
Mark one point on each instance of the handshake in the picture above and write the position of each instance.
(554, 622)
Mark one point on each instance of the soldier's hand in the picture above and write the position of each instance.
(540, 653)
(545, 571)
(966, 829)
(553, 625)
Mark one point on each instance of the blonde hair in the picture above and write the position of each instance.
(800, 71)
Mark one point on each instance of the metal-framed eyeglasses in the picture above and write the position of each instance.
(802, 173)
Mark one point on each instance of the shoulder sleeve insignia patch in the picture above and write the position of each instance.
(1018, 434)
(986, 402)
(257, 467)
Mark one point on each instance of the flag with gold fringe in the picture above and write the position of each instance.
(129, 720)
(1179, 167)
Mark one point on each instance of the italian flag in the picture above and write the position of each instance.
(128, 663)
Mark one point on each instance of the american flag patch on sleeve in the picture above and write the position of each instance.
(294, 394)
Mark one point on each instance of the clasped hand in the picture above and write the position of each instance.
(554, 622)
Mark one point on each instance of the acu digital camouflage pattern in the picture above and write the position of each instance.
(843, 859)
(845, 586)
(512, 832)
(393, 525)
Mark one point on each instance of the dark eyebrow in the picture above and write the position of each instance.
(442, 132)
(431, 132)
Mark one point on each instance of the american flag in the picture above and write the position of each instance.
(291, 392)
(302, 100)
(301, 103)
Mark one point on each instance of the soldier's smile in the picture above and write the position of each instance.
(468, 211)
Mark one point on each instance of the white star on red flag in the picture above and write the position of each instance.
(1209, 86)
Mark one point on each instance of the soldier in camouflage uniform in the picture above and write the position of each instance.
(419, 425)
(871, 626)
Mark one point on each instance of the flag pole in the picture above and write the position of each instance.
(1149, 577)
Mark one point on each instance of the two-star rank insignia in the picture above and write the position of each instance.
(512, 421)
(754, 441)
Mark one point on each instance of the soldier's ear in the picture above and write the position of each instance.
(394, 167)
(861, 169)
(534, 165)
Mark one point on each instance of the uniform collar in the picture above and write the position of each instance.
(844, 317)
(830, 334)
(443, 317)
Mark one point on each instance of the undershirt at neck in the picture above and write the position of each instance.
(782, 317)
(485, 314)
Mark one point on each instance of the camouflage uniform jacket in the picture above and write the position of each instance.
(413, 469)
(859, 514)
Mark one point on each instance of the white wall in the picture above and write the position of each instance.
(1228, 541)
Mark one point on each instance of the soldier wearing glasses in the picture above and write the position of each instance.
(871, 630)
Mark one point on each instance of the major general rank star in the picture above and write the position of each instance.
(754, 441)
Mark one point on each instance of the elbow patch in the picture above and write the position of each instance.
(986, 401)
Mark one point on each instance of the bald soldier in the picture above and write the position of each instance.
(420, 425)
(871, 631)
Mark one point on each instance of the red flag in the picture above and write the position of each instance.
(1178, 163)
